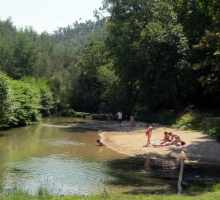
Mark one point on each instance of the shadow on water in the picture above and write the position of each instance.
(160, 175)
(145, 175)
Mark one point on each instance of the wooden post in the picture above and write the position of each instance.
(181, 175)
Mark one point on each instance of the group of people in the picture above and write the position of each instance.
(132, 122)
(119, 114)
(169, 138)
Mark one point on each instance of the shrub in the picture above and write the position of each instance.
(26, 103)
(5, 100)
(214, 131)
(78, 114)
(71, 112)
(194, 119)
(68, 113)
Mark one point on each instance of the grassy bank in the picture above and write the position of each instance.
(207, 196)
(193, 193)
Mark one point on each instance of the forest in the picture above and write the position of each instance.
(147, 57)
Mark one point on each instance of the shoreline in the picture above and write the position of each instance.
(199, 147)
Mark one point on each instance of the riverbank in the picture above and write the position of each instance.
(199, 146)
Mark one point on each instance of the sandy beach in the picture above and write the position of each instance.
(199, 146)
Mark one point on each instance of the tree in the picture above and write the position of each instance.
(150, 51)
(208, 69)
(26, 103)
(47, 101)
(96, 88)
(5, 100)
(24, 56)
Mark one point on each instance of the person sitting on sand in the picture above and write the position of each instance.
(172, 136)
(177, 142)
(100, 143)
(165, 139)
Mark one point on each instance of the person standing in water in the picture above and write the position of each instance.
(149, 133)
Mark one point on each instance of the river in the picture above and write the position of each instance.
(68, 161)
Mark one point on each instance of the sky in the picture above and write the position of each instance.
(47, 15)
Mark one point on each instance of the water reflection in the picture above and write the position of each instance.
(63, 160)
(141, 175)
(163, 167)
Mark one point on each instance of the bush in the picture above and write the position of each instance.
(196, 121)
(192, 120)
(26, 103)
(71, 112)
(5, 100)
(214, 131)
(78, 114)
(68, 113)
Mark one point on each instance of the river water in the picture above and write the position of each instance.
(68, 161)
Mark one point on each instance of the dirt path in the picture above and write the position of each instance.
(199, 146)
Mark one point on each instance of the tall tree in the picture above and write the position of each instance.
(208, 70)
(150, 52)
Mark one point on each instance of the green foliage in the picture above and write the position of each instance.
(145, 57)
(19, 53)
(146, 46)
(22, 100)
(47, 101)
(214, 131)
(207, 68)
(26, 103)
(192, 120)
(96, 81)
(195, 192)
(78, 114)
(68, 113)
(5, 100)
(216, 187)
(167, 117)
(163, 117)
(196, 121)
(43, 192)
(105, 194)
(211, 8)
(79, 34)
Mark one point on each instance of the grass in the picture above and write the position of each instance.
(207, 196)
(197, 193)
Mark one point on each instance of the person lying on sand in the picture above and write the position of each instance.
(177, 142)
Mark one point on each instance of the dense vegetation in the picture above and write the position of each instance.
(147, 57)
